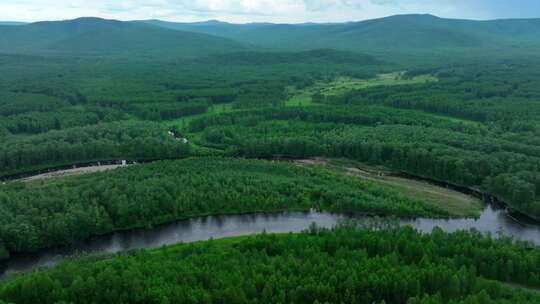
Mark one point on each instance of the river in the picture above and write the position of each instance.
(492, 220)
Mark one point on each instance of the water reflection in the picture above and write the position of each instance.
(492, 220)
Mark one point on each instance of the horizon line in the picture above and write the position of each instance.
(260, 22)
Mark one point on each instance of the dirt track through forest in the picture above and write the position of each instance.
(70, 172)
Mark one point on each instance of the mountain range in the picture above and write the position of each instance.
(400, 32)
(100, 36)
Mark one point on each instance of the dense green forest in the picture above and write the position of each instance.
(70, 102)
(476, 126)
(448, 100)
(41, 214)
(108, 141)
(371, 265)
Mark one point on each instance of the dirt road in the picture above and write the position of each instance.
(68, 172)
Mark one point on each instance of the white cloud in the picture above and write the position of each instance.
(238, 10)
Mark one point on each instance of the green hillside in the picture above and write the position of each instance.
(317, 56)
(396, 32)
(401, 33)
(99, 36)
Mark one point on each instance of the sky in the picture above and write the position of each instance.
(277, 11)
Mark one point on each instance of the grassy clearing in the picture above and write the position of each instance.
(456, 203)
(303, 97)
(342, 85)
(183, 122)
(300, 98)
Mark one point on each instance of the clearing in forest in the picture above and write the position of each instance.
(344, 84)
(456, 203)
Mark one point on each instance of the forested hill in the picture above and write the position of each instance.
(94, 35)
(401, 31)
(318, 56)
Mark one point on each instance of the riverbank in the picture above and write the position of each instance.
(166, 191)
(492, 221)
(385, 254)
(459, 201)
(250, 183)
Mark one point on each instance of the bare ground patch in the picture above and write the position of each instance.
(71, 172)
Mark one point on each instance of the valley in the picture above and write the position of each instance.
(393, 160)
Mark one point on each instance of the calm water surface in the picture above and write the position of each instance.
(492, 221)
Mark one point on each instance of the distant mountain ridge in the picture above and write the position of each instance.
(406, 33)
(399, 31)
(97, 36)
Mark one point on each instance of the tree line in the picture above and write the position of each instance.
(372, 264)
(105, 141)
(56, 212)
(416, 143)
(69, 117)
